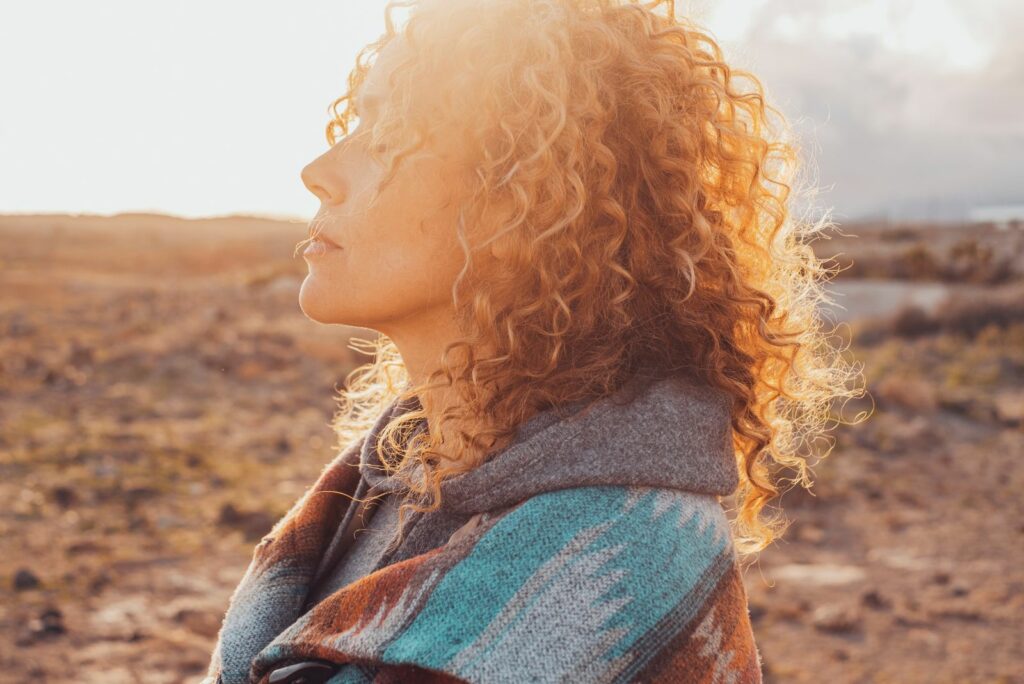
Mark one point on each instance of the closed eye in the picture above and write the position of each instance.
(362, 136)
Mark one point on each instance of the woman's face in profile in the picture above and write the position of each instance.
(396, 261)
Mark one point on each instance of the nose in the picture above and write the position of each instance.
(324, 178)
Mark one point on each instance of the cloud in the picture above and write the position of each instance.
(906, 109)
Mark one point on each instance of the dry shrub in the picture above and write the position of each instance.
(918, 263)
(963, 313)
(906, 391)
(970, 313)
(927, 254)
(913, 321)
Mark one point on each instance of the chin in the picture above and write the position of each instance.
(330, 305)
(317, 304)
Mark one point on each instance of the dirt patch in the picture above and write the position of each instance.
(163, 401)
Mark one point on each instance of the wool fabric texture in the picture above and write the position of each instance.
(593, 548)
(363, 553)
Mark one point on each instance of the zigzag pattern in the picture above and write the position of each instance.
(594, 584)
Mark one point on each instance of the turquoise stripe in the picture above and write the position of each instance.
(470, 594)
(666, 567)
(662, 561)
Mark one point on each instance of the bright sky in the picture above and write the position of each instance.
(206, 108)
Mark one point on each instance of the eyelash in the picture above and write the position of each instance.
(363, 134)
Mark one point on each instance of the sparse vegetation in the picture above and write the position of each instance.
(952, 254)
(163, 400)
(964, 313)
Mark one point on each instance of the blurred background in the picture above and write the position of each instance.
(163, 400)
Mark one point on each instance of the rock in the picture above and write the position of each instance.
(835, 618)
(25, 579)
(873, 599)
(963, 614)
(49, 623)
(912, 618)
(795, 611)
(253, 524)
(81, 355)
(822, 574)
(1009, 408)
(100, 581)
(85, 546)
(64, 497)
(201, 622)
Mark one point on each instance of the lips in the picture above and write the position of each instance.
(316, 248)
(323, 238)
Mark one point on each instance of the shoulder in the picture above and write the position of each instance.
(627, 581)
(670, 525)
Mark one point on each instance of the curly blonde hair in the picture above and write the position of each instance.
(646, 230)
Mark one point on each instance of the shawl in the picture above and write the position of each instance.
(594, 549)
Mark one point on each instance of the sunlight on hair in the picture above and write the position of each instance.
(638, 187)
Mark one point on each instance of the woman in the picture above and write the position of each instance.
(597, 319)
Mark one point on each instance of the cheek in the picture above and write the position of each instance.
(419, 260)
(414, 228)
(399, 258)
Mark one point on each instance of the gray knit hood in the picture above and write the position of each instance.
(670, 432)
